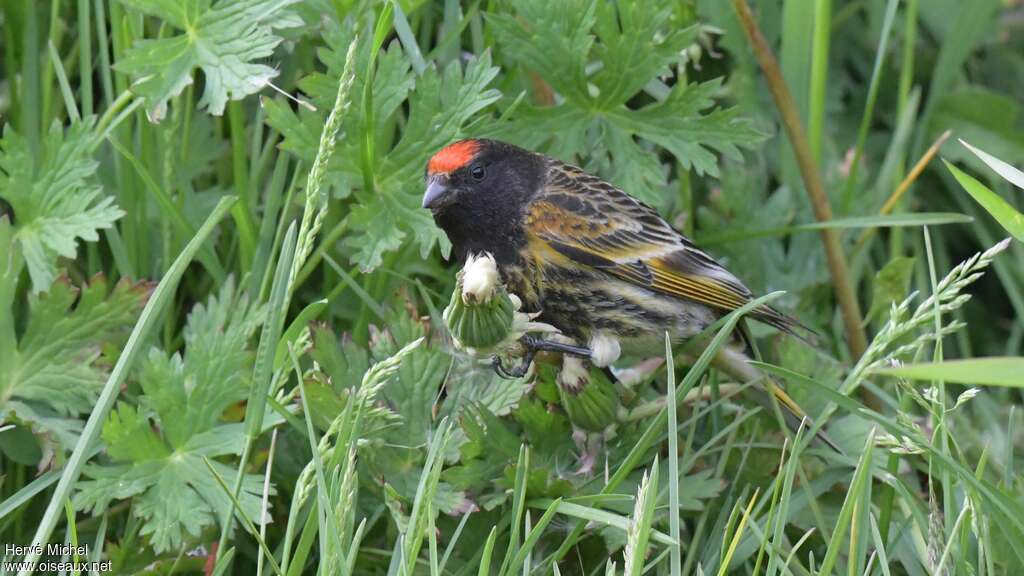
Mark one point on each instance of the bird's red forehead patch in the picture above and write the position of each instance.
(452, 157)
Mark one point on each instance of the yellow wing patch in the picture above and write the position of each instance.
(698, 288)
(559, 236)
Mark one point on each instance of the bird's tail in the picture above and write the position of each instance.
(792, 413)
(736, 365)
(786, 323)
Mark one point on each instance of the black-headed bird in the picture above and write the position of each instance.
(604, 268)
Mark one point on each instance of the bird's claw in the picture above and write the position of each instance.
(517, 372)
(533, 345)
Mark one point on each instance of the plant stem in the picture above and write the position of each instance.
(843, 285)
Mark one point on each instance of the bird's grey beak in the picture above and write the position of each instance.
(435, 194)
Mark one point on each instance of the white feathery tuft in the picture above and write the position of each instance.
(604, 349)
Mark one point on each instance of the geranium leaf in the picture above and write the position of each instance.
(224, 40)
(55, 196)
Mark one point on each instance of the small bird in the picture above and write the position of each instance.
(604, 268)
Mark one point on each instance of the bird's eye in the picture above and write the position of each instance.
(477, 172)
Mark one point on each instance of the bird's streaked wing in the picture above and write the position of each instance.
(593, 223)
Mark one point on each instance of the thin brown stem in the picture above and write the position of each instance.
(890, 203)
(841, 282)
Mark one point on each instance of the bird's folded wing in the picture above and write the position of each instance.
(629, 241)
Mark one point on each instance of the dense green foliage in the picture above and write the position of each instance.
(221, 345)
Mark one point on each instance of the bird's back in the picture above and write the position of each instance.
(605, 260)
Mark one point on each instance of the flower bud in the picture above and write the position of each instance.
(480, 312)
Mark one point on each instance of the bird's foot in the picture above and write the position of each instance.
(532, 345)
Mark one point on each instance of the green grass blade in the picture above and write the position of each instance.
(69, 512)
(265, 501)
(27, 492)
(1007, 216)
(819, 76)
(272, 210)
(518, 507)
(993, 371)
(262, 368)
(237, 507)
(869, 106)
(877, 221)
(675, 552)
(772, 520)
(311, 312)
(425, 492)
(590, 514)
(62, 81)
(453, 542)
(270, 339)
(737, 535)
(485, 559)
(1008, 172)
(222, 567)
(85, 56)
(854, 499)
(876, 536)
(408, 39)
(160, 299)
(532, 537)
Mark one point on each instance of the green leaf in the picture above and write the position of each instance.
(1000, 209)
(981, 115)
(57, 367)
(680, 125)
(443, 105)
(189, 393)
(130, 437)
(695, 488)
(55, 196)
(598, 516)
(159, 447)
(891, 284)
(553, 39)
(441, 108)
(343, 361)
(472, 384)
(489, 447)
(380, 231)
(638, 42)
(995, 371)
(412, 392)
(627, 45)
(225, 41)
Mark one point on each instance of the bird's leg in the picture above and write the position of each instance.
(532, 345)
(518, 371)
(554, 346)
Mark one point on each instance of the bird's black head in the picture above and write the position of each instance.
(478, 190)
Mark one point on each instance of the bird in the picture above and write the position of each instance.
(605, 269)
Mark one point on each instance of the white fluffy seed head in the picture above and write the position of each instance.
(479, 278)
